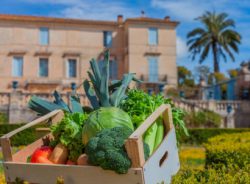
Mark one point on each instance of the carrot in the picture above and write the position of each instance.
(59, 154)
(82, 160)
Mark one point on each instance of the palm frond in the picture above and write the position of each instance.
(217, 30)
(196, 32)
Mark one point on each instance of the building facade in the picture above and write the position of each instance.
(40, 54)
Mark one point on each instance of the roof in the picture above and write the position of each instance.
(44, 19)
(152, 20)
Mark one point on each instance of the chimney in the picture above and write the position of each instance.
(142, 13)
(167, 18)
(120, 19)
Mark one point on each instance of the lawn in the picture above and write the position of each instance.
(192, 157)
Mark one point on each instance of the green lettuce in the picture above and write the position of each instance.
(69, 132)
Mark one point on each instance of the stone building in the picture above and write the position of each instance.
(45, 53)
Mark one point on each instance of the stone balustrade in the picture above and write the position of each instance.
(15, 104)
(237, 112)
(213, 105)
(4, 98)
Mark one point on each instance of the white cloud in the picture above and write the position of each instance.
(89, 9)
(63, 2)
(182, 50)
(184, 10)
(94, 10)
(187, 10)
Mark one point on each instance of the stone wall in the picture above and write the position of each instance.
(14, 104)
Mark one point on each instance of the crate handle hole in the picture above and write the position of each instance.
(163, 158)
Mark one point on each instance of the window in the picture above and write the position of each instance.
(17, 67)
(113, 68)
(44, 36)
(107, 38)
(153, 36)
(43, 67)
(71, 68)
(152, 69)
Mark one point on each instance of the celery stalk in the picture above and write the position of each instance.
(159, 134)
(149, 137)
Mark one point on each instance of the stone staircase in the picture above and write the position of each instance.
(234, 113)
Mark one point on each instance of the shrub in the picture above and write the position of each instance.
(201, 135)
(213, 176)
(203, 119)
(173, 92)
(3, 118)
(228, 150)
(23, 138)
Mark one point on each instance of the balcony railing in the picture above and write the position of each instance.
(154, 78)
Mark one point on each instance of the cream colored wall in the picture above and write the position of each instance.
(138, 46)
(129, 47)
(86, 41)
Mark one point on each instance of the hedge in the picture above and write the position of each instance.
(23, 138)
(3, 118)
(201, 135)
(207, 119)
(213, 176)
(228, 150)
(227, 160)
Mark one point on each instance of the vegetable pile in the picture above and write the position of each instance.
(96, 135)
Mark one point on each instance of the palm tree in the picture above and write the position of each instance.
(216, 36)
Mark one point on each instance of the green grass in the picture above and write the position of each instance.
(192, 157)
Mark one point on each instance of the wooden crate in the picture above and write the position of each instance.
(159, 168)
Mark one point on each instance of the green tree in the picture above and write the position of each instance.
(219, 77)
(185, 77)
(233, 73)
(216, 36)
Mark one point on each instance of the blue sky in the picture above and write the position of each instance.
(181, 10)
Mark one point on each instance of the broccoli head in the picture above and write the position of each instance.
(107, 149)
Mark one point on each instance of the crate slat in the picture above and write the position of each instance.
(164, 163)
(48, 174)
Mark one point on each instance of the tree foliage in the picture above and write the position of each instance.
(217, 36)
(233, 73)
(216, 78)
(185, 77)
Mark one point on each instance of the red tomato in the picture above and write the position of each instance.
(41, 155)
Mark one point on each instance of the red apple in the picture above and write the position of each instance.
(41, 155)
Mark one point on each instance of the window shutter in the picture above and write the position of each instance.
(17, 67)
(44, 36)
(71, 68)
(153, 69)
(107, 38)
(153, 36)
(43, 67)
